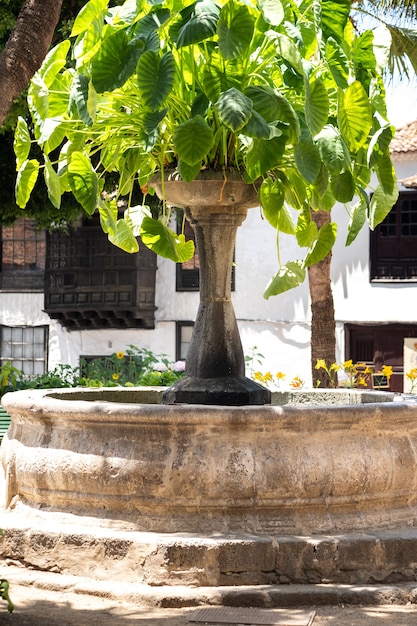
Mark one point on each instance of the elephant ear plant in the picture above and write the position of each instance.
(287, 93)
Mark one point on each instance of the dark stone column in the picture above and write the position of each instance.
(215, 366)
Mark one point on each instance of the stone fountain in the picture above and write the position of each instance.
(215, 487)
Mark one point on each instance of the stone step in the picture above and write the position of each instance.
(108, 550)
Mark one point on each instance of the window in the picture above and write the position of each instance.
(25, 347)
(379, 344)
(22, 256)
(184, 330)
(188, 273)
(393, 244)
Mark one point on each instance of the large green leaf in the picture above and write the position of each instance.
(306, 231)
(234, 108)
(83, 182)
(264, 101)
(188, 172)
(386, 174)
(52, 183)
(343, 186)
(334, 17)
(381, 204)
(272, 11)
(263, 156)
(289, 276)
(363, 54)
(123, 237)
(322, 245)
(354, 115)
(307, 158)
(199, 23)
(333, 150)
(155, 77)
(91, 11)
(193, 140)
(317, 106)
(21, 143)
(357, 219)
(288, 50)
(115, 61)
(83, 95)
(338, 63)
(54, 61)
(235, 30)
(257, 127)
(271, 196)
(165, 242)
(25, 181)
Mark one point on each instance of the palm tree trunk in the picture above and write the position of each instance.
(26, 48)
(323, 325)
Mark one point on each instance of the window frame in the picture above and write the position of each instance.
(403, 258)
(26, 279)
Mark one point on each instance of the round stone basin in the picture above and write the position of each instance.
(292, 469)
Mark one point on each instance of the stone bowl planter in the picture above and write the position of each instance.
(212, 469)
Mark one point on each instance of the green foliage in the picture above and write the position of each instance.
(284, 92)
(138, 366)
(4, 593)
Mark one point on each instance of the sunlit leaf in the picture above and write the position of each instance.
(338, 63)
(354, 115)
(381, 204)
(21, 142)
(322, 245)
(165, 242)
(123, 237)
(272, 11)
(25, 182)
(357, 219)
(52, 183)
(289, 276)
(83, 182)
(91, 11)
(306, 231)
(54, 61)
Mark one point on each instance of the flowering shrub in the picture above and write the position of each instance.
(137, 366)
(357, 374)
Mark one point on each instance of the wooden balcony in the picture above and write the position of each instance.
(92, 284)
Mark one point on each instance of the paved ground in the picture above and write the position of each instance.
(36, 606)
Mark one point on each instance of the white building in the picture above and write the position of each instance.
(374, 285)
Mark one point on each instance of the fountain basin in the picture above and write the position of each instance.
(212, 469)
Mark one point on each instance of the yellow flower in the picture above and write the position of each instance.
(120, 355)
(321, 364)
(115, 376)
(387, 371)
(296, 382)
(280, 375)
(268, 376)
(368, 370)
(348, 364)
(258, 376)
(334, 367)
(412, 374)
(361, 365)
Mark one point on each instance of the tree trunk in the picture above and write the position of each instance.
(26, 48)
(323, 325)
